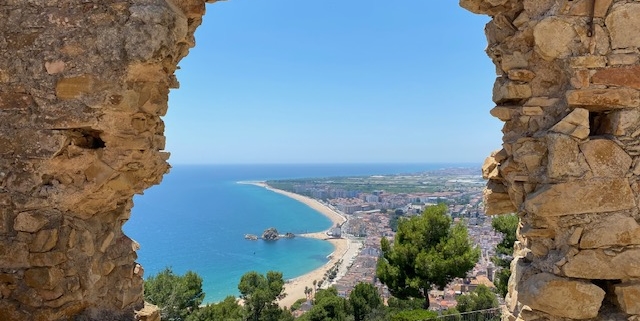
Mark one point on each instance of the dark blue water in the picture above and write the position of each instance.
(197, 218)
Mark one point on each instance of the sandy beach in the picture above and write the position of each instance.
(294, 288)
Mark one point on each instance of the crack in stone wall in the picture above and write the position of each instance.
(83, 86)
(568, 91)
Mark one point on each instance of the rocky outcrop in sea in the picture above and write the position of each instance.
(270, 234)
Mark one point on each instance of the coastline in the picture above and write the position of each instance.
(294, 288)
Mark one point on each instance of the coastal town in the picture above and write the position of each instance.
(370, 208)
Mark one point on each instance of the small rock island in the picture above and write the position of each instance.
(270, 234)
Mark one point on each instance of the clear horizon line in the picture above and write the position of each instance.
(334, 163)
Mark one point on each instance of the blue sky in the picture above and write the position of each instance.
(292, 81)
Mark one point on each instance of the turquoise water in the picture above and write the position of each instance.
(196, 220)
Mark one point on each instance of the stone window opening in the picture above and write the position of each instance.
(609, 303)
(599, 123)
(85, 138)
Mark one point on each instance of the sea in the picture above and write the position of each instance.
(196, 219)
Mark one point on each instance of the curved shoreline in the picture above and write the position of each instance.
(294, 288)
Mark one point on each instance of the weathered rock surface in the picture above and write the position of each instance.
(565, 159)
(604, 264)
(581, 196)
(568, 90)
(549, 293)
(606, 158)
(604, 99)
(270, 234)
(623, 25)
(555, 38)
(83, 87)
(628, 296)
(623, 76)
(611, 231)
(576, 124)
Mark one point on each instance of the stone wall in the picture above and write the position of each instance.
(568, 90)
(83, 85)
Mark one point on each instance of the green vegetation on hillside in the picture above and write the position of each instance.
(260, 293)
(179, 299)
(507, 225)
(479, 299)
(427, 251)
(176, 295)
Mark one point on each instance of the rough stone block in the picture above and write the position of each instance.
(15, 101)
(575, 124)
(564, 157)
(628, 297)
(541, 101)
(574, 239)
(606, 158)
(618, 76)
(54, 67)
(622, 59)
(490, 168)
(604, 265)
(585, 8)
(14, 255)
(561, 297)
(43, 278)
(484, 6)
(529, 152)
(74, 87)
(554, 38)
(44, 241)
(532, 110)
(613, 230)
(588, 62)
(581, 78)
(29, 222)
(504, 91)
(580, 197)
(603, 99)
(516, 60)
(624, 122)
(521, 75)
(623, 23)
(497, 200)
(47, 258)
(503, 113)
(150, 312)
(98, 172)
(106, 241)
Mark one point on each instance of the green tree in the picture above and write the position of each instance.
(226, 310)
(479, 299)
(427, 251)
(328, 306)
(414, 315)
(507, 225)
(260, 292)
(408, 309)
(177, 296)
(363, 299)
